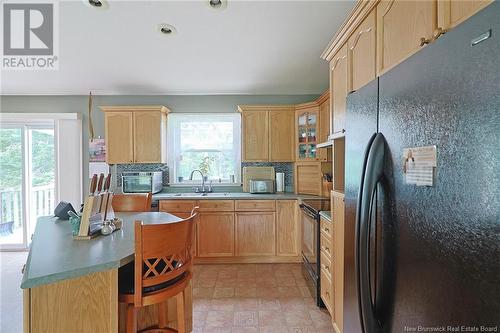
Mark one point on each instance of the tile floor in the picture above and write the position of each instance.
(227, 298)
(254, 298)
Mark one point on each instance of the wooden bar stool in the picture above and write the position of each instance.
(132, 202)
(161, 270)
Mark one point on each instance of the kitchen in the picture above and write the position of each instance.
(333, 210)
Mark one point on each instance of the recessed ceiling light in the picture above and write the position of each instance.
(100, 4)
(217, 4)
(166, 29)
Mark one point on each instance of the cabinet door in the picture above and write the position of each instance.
(281, 136)
(339, 81)
(324, 126)
(255, 234)
(361, 57)
(453, 12)
(215, 235)
(338, 257)
(148, 137)
(255, 136)
(403, 27)
(308, 178)
(287, 228)
(307, 127)
(119, 137)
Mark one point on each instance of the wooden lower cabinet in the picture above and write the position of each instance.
(242, 231)
(288, 233)
(255, 234)
(215, 234)
(326, 254)
(338, 259)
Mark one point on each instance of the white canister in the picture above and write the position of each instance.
(280, 182)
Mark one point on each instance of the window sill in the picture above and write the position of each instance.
(206, 185)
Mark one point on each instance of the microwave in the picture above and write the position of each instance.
(142, 182)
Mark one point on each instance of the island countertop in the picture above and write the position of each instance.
(55, 256)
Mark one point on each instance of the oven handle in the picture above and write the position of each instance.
(307, 211)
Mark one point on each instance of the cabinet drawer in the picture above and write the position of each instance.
(326, 246)
(255, 205)
(216, 205)
(326, 265)
(176, 206)
(326, 228)
(327, 291)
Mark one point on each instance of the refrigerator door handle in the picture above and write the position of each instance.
(374, 169)
(357, 224)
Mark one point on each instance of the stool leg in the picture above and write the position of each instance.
(131, 318)
(181, 321)
(162, 315)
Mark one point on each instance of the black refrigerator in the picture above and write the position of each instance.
(426, 257)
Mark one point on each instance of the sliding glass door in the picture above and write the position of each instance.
(27, 180)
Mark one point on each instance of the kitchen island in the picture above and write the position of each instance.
(72, 286)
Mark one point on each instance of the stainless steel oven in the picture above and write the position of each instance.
(309, 218)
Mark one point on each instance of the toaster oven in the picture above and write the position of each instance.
(142, 182)
(261, 186)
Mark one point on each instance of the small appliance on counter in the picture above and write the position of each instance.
(280, 182)
(262, 186)
(142, 182)
(256, 173)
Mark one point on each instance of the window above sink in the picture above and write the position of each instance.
(210, 143)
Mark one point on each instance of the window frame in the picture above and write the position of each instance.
(174, 149)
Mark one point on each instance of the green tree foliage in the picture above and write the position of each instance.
(11, 153)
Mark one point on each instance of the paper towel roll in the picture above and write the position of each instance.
(280, 182)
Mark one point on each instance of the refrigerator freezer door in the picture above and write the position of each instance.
(361, 125)
(446, 262)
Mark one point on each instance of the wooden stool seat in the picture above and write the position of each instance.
(161, 270)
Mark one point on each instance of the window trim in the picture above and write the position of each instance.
(173, 148)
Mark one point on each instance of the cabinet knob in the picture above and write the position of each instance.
(424, 41)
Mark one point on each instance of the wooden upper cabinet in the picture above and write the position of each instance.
(149, 134)
(267, 133)
(362, 49)
(324, 117)
(403, 27)
(119, 137)
(135, 134)
(453, 12)
(255, 139)
(307, 131)
(281, 135)
(338, 67)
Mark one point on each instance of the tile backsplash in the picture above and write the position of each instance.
(286, 168)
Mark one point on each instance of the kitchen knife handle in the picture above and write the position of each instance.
(107, 183)
(93, 184)
(99, 184)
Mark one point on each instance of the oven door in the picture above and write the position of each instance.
(137, 184)
(310, 239)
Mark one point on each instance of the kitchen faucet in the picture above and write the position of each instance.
(202, 182)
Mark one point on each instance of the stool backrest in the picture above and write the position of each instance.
(162, 252)
(132, 202)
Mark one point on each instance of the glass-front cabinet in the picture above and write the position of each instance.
(307, 132)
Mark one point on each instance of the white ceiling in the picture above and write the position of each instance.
(250, 47)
